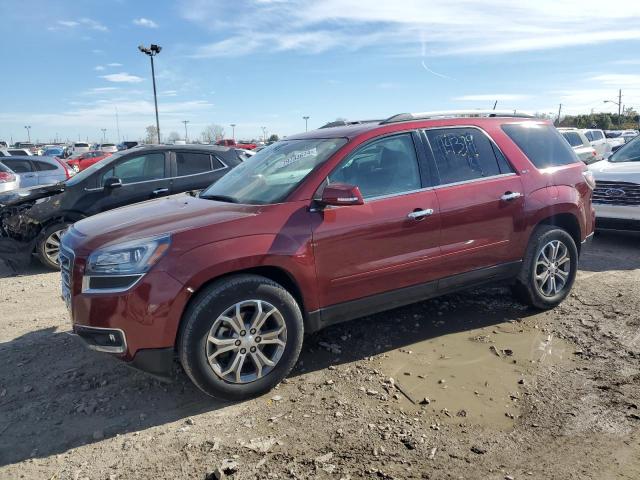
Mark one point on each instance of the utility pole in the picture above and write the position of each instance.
(619, 106)
(28, 127)
(186, 135)
(264, 134)
(117, 124)
(559, 113)
(306, 123)
(233, 130)
(104, 135)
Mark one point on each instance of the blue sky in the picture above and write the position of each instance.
(69, 64)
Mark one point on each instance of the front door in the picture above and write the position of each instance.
(481, 200)
(386, 244)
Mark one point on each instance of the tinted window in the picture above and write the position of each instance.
(138, 169)
(629, 153)
(503, 163)
(462, 154)
(589, 135)
(597, 135)
(44, 166)
(18, 166)
(81, 145)
(573, 138)
(382, 167)
(542, 144)
(192, 163)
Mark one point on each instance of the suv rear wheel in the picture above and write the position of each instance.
(241, 336)
(549, 268)
(48, 246)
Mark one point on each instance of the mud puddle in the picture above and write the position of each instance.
(474, 375)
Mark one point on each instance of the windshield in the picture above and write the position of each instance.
(628, 153)
(84, 174)
(274, 172)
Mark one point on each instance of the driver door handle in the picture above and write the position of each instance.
(420, 214)
(508, 196)
(160, 191)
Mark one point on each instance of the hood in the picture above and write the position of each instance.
(15, 197)
(616, 171)
(172, 215)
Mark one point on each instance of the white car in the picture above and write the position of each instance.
(598, 141)
(629, 135)
(580, 144)
(80, 147)
(616, 197)
(107, 147)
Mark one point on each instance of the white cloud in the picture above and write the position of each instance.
(86, 23)
(145, 22)
(114, 64)
(490, 97)
(122, 77)
(445, 26)
(98, 68)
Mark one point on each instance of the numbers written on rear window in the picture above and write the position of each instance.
(463, 154)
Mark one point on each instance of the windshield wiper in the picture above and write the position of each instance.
(220, 198)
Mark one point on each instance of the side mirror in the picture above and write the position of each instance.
(112, 182)
(339, 194)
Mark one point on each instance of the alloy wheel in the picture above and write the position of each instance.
(553, 268)
(246, 341)
(52, 246)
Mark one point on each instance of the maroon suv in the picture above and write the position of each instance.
(324, 227)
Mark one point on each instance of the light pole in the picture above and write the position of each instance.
(28, 127)
(264, 134)
(306, 123)
(186, 135)
(233, 130)
(152, 51)
(104, 135)
(619, 104)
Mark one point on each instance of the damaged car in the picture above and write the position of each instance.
(33, 219)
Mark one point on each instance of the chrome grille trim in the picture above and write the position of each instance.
(616, 193)
(66, 258)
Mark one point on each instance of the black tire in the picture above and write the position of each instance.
(526, 288)
(211, 303)
(42, 250)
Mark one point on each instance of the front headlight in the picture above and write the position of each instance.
(131, 258)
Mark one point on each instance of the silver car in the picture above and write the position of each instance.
(8, 179)
(35, 171)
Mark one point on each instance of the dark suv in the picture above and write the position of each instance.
(36, 217)
(324, 227)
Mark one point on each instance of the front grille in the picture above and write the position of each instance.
(617, 193)
(66, 274)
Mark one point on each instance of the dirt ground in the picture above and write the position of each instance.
(472, 386)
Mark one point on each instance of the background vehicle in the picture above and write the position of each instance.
(580, 144)
(121, 179)
(80, 147)
(229, 142)
(599, 142)
(34, 170)
(127, 144)
(323, 227)
(628, 135)
(617, 194)
(614, 138)
(85, 160)
(54, 152)
(4, 152)
(25, 152)
(107, 148)
(8, 179)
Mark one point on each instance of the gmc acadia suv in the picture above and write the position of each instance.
(324, 227)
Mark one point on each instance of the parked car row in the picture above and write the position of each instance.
(320, 228)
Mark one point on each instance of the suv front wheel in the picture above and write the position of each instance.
(549, 268)
(241, 336)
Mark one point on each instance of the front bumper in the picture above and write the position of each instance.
(617, 217)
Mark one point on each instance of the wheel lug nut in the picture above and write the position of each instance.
(258, 339)
(253, 349)
(243, 333)
(252, 331)
(238, 342)
(243, 350)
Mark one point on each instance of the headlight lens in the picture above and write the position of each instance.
(129, 258)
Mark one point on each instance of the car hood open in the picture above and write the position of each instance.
(15, 197)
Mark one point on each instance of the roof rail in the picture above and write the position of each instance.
(344, 123)
(407, 117)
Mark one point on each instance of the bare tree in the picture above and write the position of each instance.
(173, 136)
(151, 135)
(212, 133)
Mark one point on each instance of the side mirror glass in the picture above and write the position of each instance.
(112, 182)
(340, 194)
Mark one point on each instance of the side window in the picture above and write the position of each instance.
(463, 154)
(189, 163)
(44, 166)
(542, 144)
(18, 166)
(138, 169)
(573, 138)
(597, 135)
(589, 135)
(382, 167)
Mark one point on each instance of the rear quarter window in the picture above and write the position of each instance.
(44, 166)
(542, 144)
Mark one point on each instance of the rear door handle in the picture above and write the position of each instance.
(508, 196)
(420, 214)
(160, 191)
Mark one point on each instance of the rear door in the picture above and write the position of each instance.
(49, 173)
(390, 242)
(481, 200)
(193, 170)
(144, 176)
(24, 168)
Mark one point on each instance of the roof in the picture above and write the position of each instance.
(189, 146)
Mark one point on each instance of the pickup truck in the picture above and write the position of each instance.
(230, 142)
